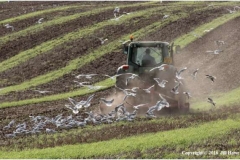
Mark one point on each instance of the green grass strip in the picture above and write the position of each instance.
(129, 144)
(74, 64)
(37, 13)
(56, 74)
(227, 99)
(186, 39)
(106, 84)
(60, 20)
(79, 62)
(51, 44)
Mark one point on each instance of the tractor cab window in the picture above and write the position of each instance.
(147, 56)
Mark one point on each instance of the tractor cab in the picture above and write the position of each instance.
(144, 55)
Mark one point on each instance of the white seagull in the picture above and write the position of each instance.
(187, 94)
(175, 89)
(217, 51)
(8, 26)
(160, 68)
(88, 76)
(179, 72)
(107, 102)
(194, 74)
(42, 92)
(148, 90)
(40, 20)
(160, 83)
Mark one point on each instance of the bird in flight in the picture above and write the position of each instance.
(8, 26)
(179, 72)
(160, 68)
(107, 102)
(211, 101)
(40, 20)
(194, 74)
(160, 83)
(42, 92)
(102, 40)
(212, 78)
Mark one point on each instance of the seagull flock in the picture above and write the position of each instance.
(39, 124)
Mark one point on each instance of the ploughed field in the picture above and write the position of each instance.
(47, 55)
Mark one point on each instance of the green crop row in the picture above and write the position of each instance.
(74, 64)
(79, 62)
(140, 126)
(60, 20)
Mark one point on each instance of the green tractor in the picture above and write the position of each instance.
(138, 62)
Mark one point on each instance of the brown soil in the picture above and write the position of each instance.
(23, 43)
(224, 66)
(114, 59)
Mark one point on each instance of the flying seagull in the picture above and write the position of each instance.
(160, 83)
(148, 90)
(211, 101)
(160, 68)
(212, 78)
(175, 89)
(165, 16)
(107, 102)
(194, 74)
(40, 20)
(101, 39)
(179, 72)
(8, 26)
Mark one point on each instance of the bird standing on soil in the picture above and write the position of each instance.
(165, 16)
(208, 30)
(9, 125)
(88, 76)
(116, 11)
(212, 78)
(211, 101)
(215, 51)
(219, 43)
(42, 92)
